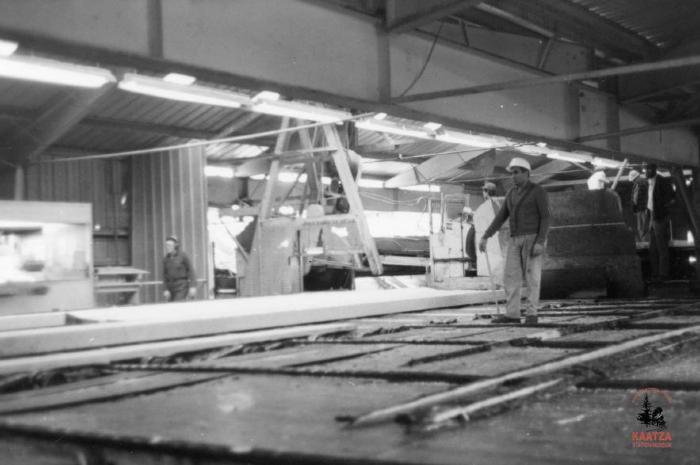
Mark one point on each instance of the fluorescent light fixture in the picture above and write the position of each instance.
(370, 183)
(193, 93)
(421, 188)
(568, 156)
(380, 116)
(286, 210)
(453, 137)
(392, 128)
(605, 163)
(299, 111)
(54, 72)
(7, 48)
(432, 126)
(181, 79)
(218, 171)
(267, 95)
(259, 177)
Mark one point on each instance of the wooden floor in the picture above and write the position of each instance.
(442, 385)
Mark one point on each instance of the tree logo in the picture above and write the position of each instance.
(651, 416)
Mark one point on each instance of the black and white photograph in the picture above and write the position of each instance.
(349, 232)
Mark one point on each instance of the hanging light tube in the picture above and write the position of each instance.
(193, 93)
(472, 140)
(570, 157)
(7, 48)
(392, 128)
(53, 72)
(606, 163)
(298, 110)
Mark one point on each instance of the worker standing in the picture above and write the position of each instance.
(178, 274)
(527, 208)
(660, 198)
(640, 189)
(470, 241)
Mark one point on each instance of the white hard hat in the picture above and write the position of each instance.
(467, 211)
(519, 163)
(634, 174)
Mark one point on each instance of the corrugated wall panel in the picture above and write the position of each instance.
(169, 197)
(104, 184)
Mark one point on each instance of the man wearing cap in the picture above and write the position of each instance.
(527, 209)
(178, 273)
(639, 205)
(488, 190)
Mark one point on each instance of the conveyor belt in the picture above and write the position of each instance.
(438, 386)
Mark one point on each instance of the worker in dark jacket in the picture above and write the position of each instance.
(178, 273)
(527, 208)
(660, 197)
(639, 199)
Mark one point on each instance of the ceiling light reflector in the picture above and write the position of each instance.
(7, 48)
(54, 72)
(472, 140)
(193, 93)
(299, 111)
(177, 78)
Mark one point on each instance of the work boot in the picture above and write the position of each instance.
(530, 320)
(505, 319)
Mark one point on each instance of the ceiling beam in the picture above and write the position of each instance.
(659, 91)
(406, 15)
(19, 113)
(570, 77)
(575, 22)
(433, 168)
(548, 170)
(59, 117)
(641, 129)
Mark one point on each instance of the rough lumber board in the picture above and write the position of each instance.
(99, 391)
(160, 349)
(35, 320)
(150, 323)
(455, 394)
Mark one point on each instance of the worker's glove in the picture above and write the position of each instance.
(482, 245)
(192, 293)
(537, 249)
(166, 294)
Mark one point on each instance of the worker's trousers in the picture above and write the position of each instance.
(659, 237)
(522, 266)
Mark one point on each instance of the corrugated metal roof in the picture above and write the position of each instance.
(662, 22)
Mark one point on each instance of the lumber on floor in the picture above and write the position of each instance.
(150, 323)
(161, 349)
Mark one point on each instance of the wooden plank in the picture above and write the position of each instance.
(156, 322)
(455, 394)
(162, 349)
(113, 387)
(36, 320)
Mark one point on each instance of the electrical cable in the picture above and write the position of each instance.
(425, 64)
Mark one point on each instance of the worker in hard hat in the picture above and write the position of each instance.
(527, 208)
(598, 180)
(640, 191)
(470, 241)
